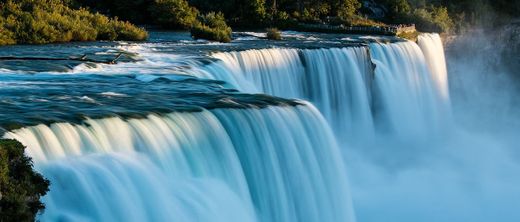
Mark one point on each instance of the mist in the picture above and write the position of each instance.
(468, 172)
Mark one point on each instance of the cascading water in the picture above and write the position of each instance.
(406, 92)
(271, 164)
(336, 80)
(251, 157)
(406, 97)
(431, 46)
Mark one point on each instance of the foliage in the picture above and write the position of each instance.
(240, 13)
(176, 14)
(398, 10)
(65, 20)
(212, 26)
(273, 34)
(427, 17)
(348, 8)
(20, 186)
(48, 21)
(412, 36)
(432, 19)
(127, 31)
(134, 11)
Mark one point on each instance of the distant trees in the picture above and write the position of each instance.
(398, 9)
(173, 14)
(45, 21)
(449, 16)
(432, 19)
(425, 15)
(347, 8)
(251, 13)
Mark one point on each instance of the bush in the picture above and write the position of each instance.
(49, 21)
(398, 10)
(274, 34)
(20, 186)
(212, 26)
(432, 19)
(127, 31)
(348, 8)
(412, 36)
(176, 14)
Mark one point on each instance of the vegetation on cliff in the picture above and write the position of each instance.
(50, 21)
(428, 15)
(45, 21)
(20, 186)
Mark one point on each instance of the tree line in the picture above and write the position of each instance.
(46, 21)
(429, 15)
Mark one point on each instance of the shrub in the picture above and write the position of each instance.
(6, 36)
(175, 14)
(273, 34)
(432, 19)
(412, 36)
(20, 186)
(47, 21)
(127, 31)
(212, 26)
(398, 10)
(348, 8)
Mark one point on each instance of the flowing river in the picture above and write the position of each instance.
(316, 127)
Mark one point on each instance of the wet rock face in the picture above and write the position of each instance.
(510, 35)
(498, 49)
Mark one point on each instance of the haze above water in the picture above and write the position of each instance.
(411, 143)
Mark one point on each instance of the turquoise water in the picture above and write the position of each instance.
(317, 127)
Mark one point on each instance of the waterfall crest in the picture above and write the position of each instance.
(219, 155)
(336, 80)
(271, 164)
(406, 91)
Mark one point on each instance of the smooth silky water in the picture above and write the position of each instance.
(313, 128)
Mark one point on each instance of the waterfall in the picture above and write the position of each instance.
(257, 162)
(406, 91)
(407, 102)
(431, 45)
(271, 164)
(336, 80)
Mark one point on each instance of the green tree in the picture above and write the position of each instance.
(399, 10)
(176, 14)
(47, 21)
(432, 19)
(348, 8)
(20, 186)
